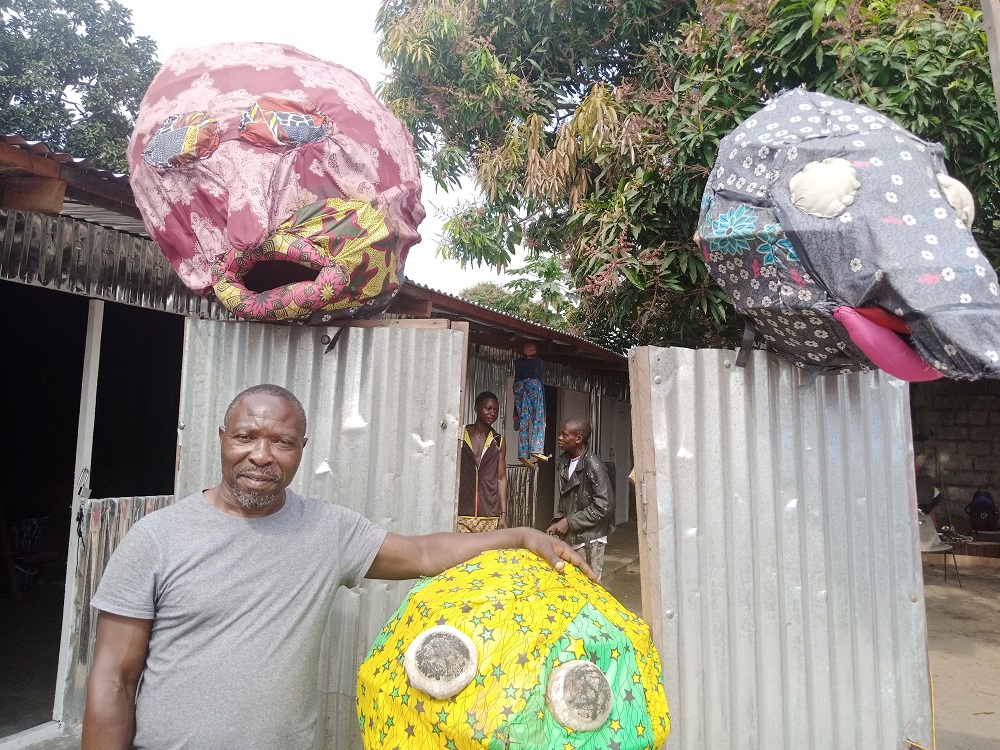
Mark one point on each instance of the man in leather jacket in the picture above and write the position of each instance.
(586, 506)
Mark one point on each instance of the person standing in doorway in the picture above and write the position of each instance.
(529, 405)
(482, 486)
(586, 506)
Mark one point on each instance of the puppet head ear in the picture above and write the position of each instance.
(441, 661)
(959, 197)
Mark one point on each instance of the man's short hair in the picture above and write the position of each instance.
(485, 395)
(581, 427)
(268, 389)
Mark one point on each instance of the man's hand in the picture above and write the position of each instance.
(554, 550)
(559, 528)
(502, 521)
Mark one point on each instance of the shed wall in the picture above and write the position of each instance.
(69, 255)
(956, 440)
(102, 525)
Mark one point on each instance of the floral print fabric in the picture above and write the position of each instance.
(233, 140)
(895, 243)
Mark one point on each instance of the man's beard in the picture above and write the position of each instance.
(254, 500)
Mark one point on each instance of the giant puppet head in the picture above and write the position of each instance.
(275, 181)
(503, 651)
(841, 238)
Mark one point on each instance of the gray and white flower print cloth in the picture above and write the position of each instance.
(816, 203)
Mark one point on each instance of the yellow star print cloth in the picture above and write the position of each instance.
(525, 619)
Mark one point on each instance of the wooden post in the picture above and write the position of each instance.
(647, 509)
(991, 16)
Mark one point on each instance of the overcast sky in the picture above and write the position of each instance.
(342, 31)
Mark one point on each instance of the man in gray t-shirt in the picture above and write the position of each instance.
(219, 602)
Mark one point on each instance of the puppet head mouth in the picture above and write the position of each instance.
(328, 256)
(271, 274)
(249, 282)
(879, 335)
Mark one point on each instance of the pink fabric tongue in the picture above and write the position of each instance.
(884, 348)
(884, 318)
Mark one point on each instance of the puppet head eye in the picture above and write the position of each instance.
(824, 188)
(441, 661)
(579, 695)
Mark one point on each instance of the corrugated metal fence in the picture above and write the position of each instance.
(102, 525)
(384, 423)
(781, 573)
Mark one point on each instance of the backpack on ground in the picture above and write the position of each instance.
(983, 512)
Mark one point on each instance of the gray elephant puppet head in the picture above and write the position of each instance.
(841, 238)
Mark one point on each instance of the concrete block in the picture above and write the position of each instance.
(987, 465)
(966, 416)
(976, 449)
(984, 434)
(954, 433)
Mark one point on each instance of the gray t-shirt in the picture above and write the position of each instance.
(238, 607)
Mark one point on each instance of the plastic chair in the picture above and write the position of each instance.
(930, 542)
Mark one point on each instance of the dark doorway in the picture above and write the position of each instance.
(545, 499)
(138, 401)
(42, 336)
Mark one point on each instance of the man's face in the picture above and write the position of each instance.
(487, 411)
(529, 350)
(569, 439)
(261, 449)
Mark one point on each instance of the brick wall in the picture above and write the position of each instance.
(956, 439)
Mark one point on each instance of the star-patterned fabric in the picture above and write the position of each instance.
(816, 203)
(525, 619)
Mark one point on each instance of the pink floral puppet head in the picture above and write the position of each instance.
(276, 182)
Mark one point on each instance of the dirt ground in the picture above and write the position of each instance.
(963, 640)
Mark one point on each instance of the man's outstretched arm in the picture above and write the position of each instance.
(402, 557)
(119, 657)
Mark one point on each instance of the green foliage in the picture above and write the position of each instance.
(592, 126)
(539, 292)
(542, 281)
(492, 295)
(501, 299)
(72, 74)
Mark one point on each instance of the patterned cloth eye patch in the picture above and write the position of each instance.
(182, 139)
(269, 123)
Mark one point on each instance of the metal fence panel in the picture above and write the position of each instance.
(384, 410)
(101, 525)
(781, 571)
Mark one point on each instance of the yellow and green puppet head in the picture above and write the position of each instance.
(505, 652)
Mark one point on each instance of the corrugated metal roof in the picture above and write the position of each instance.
(69, 255)
(539, 326)
(460, 308)
(383, 440)
(104, 217)
(781, 573)
(86, 166)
